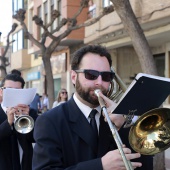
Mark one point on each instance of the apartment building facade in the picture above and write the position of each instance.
(33, 70)
(154, 20)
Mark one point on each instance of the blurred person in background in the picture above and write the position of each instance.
(36, 104)
(45, 102)
(62, 97)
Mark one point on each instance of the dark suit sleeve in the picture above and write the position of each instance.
(5, 130)
(48, 153)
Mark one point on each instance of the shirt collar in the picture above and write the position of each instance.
(84, 108)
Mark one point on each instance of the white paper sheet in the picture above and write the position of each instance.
(13, 97)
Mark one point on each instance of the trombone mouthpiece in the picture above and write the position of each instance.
(97, 92)
(101, 101)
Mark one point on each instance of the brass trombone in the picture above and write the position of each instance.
(150, 134)
(115, 134)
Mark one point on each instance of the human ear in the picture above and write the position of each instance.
(73, 76)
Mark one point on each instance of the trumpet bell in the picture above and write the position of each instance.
(24, 124)
(151, 132)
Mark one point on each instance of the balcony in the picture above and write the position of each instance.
(153, 18)
(20, 60)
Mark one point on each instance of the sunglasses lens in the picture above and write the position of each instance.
(64, 92)
(91, 74)
(107, 76)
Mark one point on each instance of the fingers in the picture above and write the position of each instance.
(131, 156)
(106, 99)
(117, 119)
(10, 114)
(22, 109)
(136, 164)
(114, 160)
(18, 111)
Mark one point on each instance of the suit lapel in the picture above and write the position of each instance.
(76, 119)
(3, 116)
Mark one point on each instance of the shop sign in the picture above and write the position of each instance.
(33, 76)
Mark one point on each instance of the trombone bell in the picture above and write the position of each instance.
(151, 132)
(24, 124)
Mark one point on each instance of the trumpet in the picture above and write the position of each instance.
(23, 124)
(115, 134)
(150, 134)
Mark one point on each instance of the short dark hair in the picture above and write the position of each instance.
(13, 77)
(15, 71)
(96, 49)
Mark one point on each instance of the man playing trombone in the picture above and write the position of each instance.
(74, 135)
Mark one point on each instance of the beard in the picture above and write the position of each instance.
(86, 95)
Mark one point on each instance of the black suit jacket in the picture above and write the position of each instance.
(64, 140)
(7, 135)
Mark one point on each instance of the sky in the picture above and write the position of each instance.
(5, 17)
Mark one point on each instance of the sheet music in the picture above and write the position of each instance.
(145, 92)
(13, 97)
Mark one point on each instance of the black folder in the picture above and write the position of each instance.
(146, 92)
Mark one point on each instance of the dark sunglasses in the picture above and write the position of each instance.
(93, 74)
(63, 92)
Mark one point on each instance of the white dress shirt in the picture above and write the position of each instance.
(86, 110)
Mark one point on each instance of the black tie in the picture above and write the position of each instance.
(93, 123)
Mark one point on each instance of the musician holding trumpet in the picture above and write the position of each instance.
(15, 148)
(74, 135)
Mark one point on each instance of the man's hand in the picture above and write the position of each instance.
(117, 119)
(20, 109)
(113, 160)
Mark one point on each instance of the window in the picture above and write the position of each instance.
(52, 8)
(107, 3)
(20, 42)
(59, 9)
(17, 4)
(160, 64)
(45, 13)
(92, 10)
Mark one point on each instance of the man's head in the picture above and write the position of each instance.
(15, 78)
(96, 49)
(91, 69)
(12, 81)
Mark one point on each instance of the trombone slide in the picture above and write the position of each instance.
(115, 134)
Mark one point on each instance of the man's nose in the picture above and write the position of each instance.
(99, 80)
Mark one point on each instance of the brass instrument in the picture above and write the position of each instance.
(150, 134)
(23, 124)
(115, 134)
